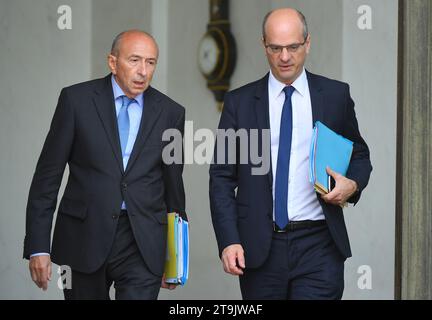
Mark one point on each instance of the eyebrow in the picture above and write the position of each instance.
(141, 57)
(287, 45)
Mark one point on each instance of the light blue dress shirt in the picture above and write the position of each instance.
(135, 111)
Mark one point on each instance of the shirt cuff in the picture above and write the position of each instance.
(39, 254)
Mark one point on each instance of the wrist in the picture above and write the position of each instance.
(355, 187)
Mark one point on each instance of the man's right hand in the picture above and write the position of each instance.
(233, 259)
(40, 270)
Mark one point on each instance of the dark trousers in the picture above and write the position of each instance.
(124, 267)
(302, 264)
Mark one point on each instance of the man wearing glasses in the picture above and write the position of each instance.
(274, 232)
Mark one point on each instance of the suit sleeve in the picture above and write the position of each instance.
(223, 182)
(173, 179)
(360, 166)
(47, 178)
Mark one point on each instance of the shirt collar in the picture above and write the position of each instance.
(276, 87)
(118, 92)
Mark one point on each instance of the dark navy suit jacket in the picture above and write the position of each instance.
(84, 135)
(242, 204)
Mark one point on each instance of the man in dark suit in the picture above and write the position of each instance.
(274, 231)
(111, 222)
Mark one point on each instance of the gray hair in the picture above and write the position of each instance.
(116, 42)
(302, 19)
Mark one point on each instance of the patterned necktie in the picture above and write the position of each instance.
(123, 123)
(283, 160)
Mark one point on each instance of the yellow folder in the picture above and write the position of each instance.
(171, 259)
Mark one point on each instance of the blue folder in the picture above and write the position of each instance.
(185, 274)
(177, 259)
(328, 149)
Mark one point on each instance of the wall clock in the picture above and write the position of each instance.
(217, 51)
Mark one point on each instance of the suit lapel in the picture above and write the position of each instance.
(317, 99)
(105, 106)
(262, 114)
(151, 113)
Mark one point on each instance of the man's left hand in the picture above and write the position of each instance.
(169, 286)
(343, 190)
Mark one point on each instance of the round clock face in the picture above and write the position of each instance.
(208, 55)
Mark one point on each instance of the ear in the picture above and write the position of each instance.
(264, 44)
(112, 63)
(308, 43)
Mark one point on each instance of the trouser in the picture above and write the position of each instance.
(125, 268)
(302, 264)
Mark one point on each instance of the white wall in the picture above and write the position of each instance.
(370, 67)
(36, 61)
(108, 19)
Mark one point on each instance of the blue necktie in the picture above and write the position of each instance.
(283, 160)
(123, 123)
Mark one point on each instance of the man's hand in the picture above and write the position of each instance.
(40, 271)
(169, 286)
(233, 259)
(343, 190)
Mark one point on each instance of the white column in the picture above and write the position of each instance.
(159, 30)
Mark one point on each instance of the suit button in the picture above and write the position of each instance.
(115, 216)
(124, 185)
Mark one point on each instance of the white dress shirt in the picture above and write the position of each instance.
(302, 200)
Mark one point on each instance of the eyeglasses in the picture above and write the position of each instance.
(292, 48)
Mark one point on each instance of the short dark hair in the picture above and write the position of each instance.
(302, 19)
(116, 42)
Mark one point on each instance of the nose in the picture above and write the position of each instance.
(142, 70)
(285, 55)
